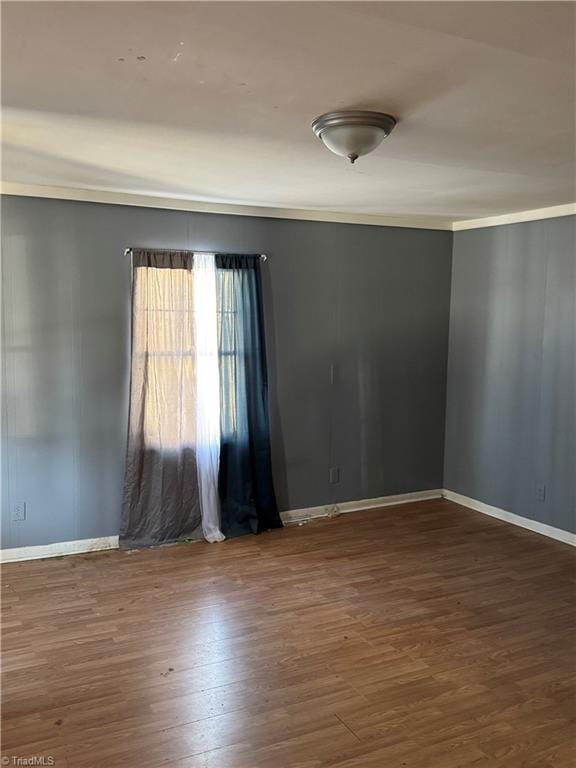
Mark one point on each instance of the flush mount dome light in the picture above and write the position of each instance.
(353, 133)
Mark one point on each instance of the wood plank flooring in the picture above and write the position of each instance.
(419, 636)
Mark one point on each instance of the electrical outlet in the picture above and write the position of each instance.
(18, 511)
(334, 474)
(540, 493)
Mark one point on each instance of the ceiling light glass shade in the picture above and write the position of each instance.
(354, 133)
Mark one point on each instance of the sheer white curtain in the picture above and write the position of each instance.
(207, 393)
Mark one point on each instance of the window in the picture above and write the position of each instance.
(164, 350)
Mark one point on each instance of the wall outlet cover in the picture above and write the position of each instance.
(18, 511)
(540, 492)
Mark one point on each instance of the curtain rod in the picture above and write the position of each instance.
(128, 252)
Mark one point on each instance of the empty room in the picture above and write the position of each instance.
(288, 384)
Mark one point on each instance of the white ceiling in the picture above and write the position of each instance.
(213, 101)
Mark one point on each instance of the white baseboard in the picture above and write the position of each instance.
(509, 517)
(290, 516)
(293, 516)
(331, 510)
(58, 549)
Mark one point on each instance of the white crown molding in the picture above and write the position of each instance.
(200, 206)
(516, 218)
(509, 517)
(415, 221)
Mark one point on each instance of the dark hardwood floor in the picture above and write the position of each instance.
(420, 636)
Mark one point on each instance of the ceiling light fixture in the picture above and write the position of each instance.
(353, 133)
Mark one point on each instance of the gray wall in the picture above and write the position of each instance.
(373, 302)
(511, 411)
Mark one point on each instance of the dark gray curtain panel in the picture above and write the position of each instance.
(247, 499)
